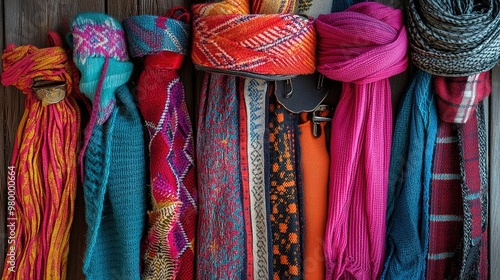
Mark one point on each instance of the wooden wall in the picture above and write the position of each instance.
(28, 21)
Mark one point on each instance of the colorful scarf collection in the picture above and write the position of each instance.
(261, 193)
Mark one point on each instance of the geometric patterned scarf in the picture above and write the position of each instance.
(459, 187)
(234, 191)
(286, 197)
(168, 249)
(113, 153)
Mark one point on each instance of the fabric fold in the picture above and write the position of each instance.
(169, 247)
(43, 170)
(362, 126)
(114, 174)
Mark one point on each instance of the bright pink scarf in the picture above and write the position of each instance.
(362, 47)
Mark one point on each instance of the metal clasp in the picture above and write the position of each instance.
(316, 118)
(49, 92)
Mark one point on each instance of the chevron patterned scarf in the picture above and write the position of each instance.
(44, 159)
(169, 246)
(362, 126)
(227, 37)
(114, 151)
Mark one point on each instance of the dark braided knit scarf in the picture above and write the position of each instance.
(454, 38)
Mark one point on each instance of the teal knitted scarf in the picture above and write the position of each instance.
(114, 151)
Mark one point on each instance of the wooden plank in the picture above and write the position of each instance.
(494, 222)
(3, 159)
(121, 9)
(154, 7)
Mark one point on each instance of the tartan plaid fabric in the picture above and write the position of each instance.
(458, 204)
(446, 213)
(457, 97)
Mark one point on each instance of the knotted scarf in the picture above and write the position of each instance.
(362, 47)
(454, 38)
(232, 150)
(44, 158)
(114, 151)
(169, 245)
(459, 41)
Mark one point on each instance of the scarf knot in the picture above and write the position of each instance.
(461, 38)
(100, 54)
(23, 64)
(365, 43)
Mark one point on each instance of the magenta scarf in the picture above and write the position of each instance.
(362, 47)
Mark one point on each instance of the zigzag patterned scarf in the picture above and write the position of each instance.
(361, 132)
(169, 246)
(44, 161)
(114, 151)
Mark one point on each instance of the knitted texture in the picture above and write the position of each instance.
(169, 245)
(409, 181)
(220, 238)
(227, 37)
(315, 165)
(455, 38)
(113, 151)
(153, 34)
(372, 40)
(286, 195)
(44, 158)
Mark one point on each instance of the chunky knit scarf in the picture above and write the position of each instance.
(114, 151)
(454, 38)
(361, 132)
(458, 42)
(44, 161)
(169, 246)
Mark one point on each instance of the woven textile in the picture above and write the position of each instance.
(114, 151)
(454, 38)
(458, 233)
(372, 40)
(286, 195)
(227, 37)
(221, 251)
(409, 181)
(315, 166)
(169, 246)
(231, 146)
(44, 161)
(256, 94)
(457, 108)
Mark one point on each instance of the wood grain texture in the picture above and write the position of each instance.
(494, 203)
(3, 160)
(121, 9)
